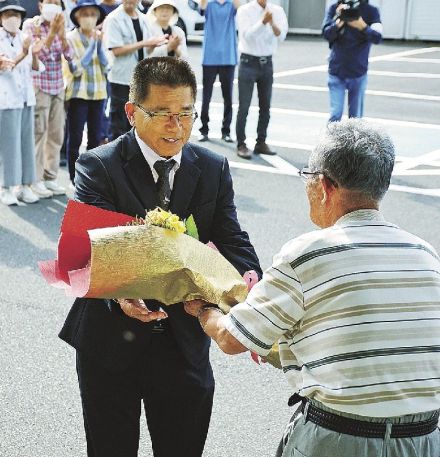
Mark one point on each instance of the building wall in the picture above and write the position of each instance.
(402, 19)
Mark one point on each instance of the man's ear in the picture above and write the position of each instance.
(129, 111)
(328, 188)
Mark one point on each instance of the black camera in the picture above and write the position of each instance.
(351, 12)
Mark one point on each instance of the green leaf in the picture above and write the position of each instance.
(191, 227)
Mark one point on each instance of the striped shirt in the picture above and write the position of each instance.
(86, 77)
(51, 80)
(356, 310)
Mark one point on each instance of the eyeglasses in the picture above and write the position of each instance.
(183, 118)
(306, 174)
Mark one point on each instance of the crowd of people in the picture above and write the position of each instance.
(354, 307)
(61, 68)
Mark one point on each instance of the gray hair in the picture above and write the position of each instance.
(356, 156)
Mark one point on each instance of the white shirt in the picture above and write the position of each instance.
(151, 157)
(119, 31)
(16, 86)
(254, 37)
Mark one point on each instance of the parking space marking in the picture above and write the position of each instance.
(399, 74)
(414, 60)
(429, 159)
(381, 93)
(300, 71)
(321, 115)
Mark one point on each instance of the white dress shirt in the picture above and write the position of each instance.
(151, 157)
(256, 38)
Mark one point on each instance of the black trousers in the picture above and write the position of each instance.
(226, 75)
(118, 120)
(177, 404)
(252, 71)
(79, 113)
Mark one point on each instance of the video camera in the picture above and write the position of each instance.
(351, 12)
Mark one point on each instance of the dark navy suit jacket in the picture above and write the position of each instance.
(117, 177)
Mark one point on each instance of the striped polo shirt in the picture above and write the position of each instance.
(356, 311)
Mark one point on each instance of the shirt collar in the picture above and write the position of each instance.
(360, 216)
(151, 157)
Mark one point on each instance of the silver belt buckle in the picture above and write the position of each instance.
(263, 60)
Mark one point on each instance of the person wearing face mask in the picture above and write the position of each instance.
(162, 16)
(86, 80)
(49, 91)
(17, 100)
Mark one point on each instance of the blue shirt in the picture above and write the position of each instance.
(350, 47)
(220, 37)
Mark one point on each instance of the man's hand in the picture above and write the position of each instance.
(192, 307)
(267, 17)
(155, 41)
(358, 24)
(173, 43)
(137, 309)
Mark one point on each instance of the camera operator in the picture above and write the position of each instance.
(350, 27)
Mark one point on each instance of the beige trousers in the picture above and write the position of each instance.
(49, 133)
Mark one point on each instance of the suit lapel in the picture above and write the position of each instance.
(138, 172)
(185, 182)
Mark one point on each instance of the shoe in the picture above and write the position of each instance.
(54, 187)
(41, 190)
(227, 139)
(202, 138)
(8, 197)
(263, 148)
(26, 195)
(244, 152)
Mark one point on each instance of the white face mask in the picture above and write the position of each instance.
(11, 24)
(49, 11)
(87, 23)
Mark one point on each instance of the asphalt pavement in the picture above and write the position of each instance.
(39, 398)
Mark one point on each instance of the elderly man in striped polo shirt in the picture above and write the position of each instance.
(356, 310)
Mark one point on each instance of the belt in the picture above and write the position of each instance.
(262, 59)
(341, 424)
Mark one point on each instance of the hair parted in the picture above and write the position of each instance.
(161, 71)
(357, 156)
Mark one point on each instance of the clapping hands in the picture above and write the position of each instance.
(6, 64)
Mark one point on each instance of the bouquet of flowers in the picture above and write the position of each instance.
(104, 254)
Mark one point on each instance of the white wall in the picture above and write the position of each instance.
(423, 21)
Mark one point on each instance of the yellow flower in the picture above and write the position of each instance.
(165, 219)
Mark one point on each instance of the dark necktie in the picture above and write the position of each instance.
(163, 168)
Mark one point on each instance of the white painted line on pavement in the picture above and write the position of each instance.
(413, 162)
(413, 60)
(300, 71)
(426, 172)
(280, 144)
(266, 169)
(398, 74)
(416, 190)
(261, 168)
(281, 164)
(382, 93)
(321, 115)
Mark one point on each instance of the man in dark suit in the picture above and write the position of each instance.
(124, 354)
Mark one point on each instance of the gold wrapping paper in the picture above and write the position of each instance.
(150, 262)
